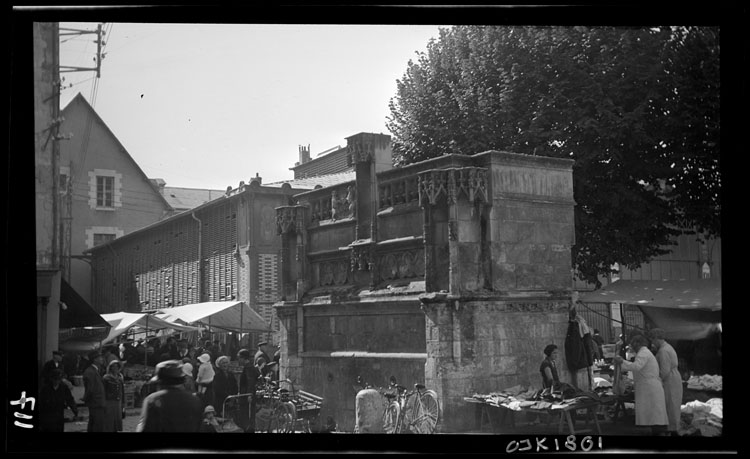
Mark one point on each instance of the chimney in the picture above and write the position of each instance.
(304, 154)
(159, 184)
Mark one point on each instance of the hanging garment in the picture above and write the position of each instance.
(575, 348)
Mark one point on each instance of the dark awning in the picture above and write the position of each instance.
(684, 309)
(700, 294)
(77, 312)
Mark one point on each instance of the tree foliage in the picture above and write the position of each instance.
(636, 108)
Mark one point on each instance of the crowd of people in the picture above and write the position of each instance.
(182, 403)
(188, 383)
(656, 378)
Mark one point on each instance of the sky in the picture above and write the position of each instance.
(210, 105)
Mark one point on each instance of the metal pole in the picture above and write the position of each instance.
(145, 354)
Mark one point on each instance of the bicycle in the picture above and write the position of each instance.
(423, 416)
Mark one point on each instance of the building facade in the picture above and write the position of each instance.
(105, 194)
(226, 249)
(454, 272)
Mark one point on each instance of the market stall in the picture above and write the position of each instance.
(690, 314)
(235, 316)
(136, 374)
(560, 405)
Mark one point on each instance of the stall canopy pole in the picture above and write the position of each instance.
(145, 354)
(242, 310)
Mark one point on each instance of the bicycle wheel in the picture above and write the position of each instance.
(283, 418)
(425, 413)
(390, 418)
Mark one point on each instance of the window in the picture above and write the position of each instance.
(100, 238)
(97, 235)
(105, 191)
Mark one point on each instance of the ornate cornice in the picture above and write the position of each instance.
(290, 218)
(468, 182)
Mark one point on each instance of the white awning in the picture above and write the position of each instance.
(121, 322)
(233, 316)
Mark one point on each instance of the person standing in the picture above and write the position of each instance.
(262, 360)
(548, 368)
(114, 395)
(650, 404)
(670, 377)
(55, 364)
(189, 384)
(171, 408)
(54, 397)
(204, 380)
(599, 342)
(110, 355)
(224, 382)
(248, 381)
(620, 348)
(93, 394)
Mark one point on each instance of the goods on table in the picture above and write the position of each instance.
(137, 372)
(703, 419)
(705, 382)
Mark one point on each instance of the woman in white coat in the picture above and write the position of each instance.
(670, 377)
(650, 405)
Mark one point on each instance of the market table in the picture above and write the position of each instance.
(591, 406)
(563, 409)
(484, 414)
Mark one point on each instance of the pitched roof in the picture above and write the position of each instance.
(324, 181)
(189, 198)
(85, 103)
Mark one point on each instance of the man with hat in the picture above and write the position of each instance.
(55, 364)
(171, 408)
(248, 380)
(263, 361)
(54, 397)
(93, 394)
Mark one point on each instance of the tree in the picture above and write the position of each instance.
(636, 108)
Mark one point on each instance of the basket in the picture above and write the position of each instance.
(77, 380)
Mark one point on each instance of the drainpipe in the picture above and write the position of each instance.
(114, 256)
(200, 256)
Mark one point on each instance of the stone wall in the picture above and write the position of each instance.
(484, 346)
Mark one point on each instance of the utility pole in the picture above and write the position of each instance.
(66, 190)
(99, 56)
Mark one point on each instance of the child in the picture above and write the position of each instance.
(210, 423)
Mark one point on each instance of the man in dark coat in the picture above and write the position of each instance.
(248, 381)
(171, 408)
(93, 394)
(54, 397)
(55, 364)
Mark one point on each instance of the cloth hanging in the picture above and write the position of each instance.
(575, 348)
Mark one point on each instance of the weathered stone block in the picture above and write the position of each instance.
(553, 233)
(468, 253)
(499, 254)
(468, 231)
(518, 253)
(504, 276)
